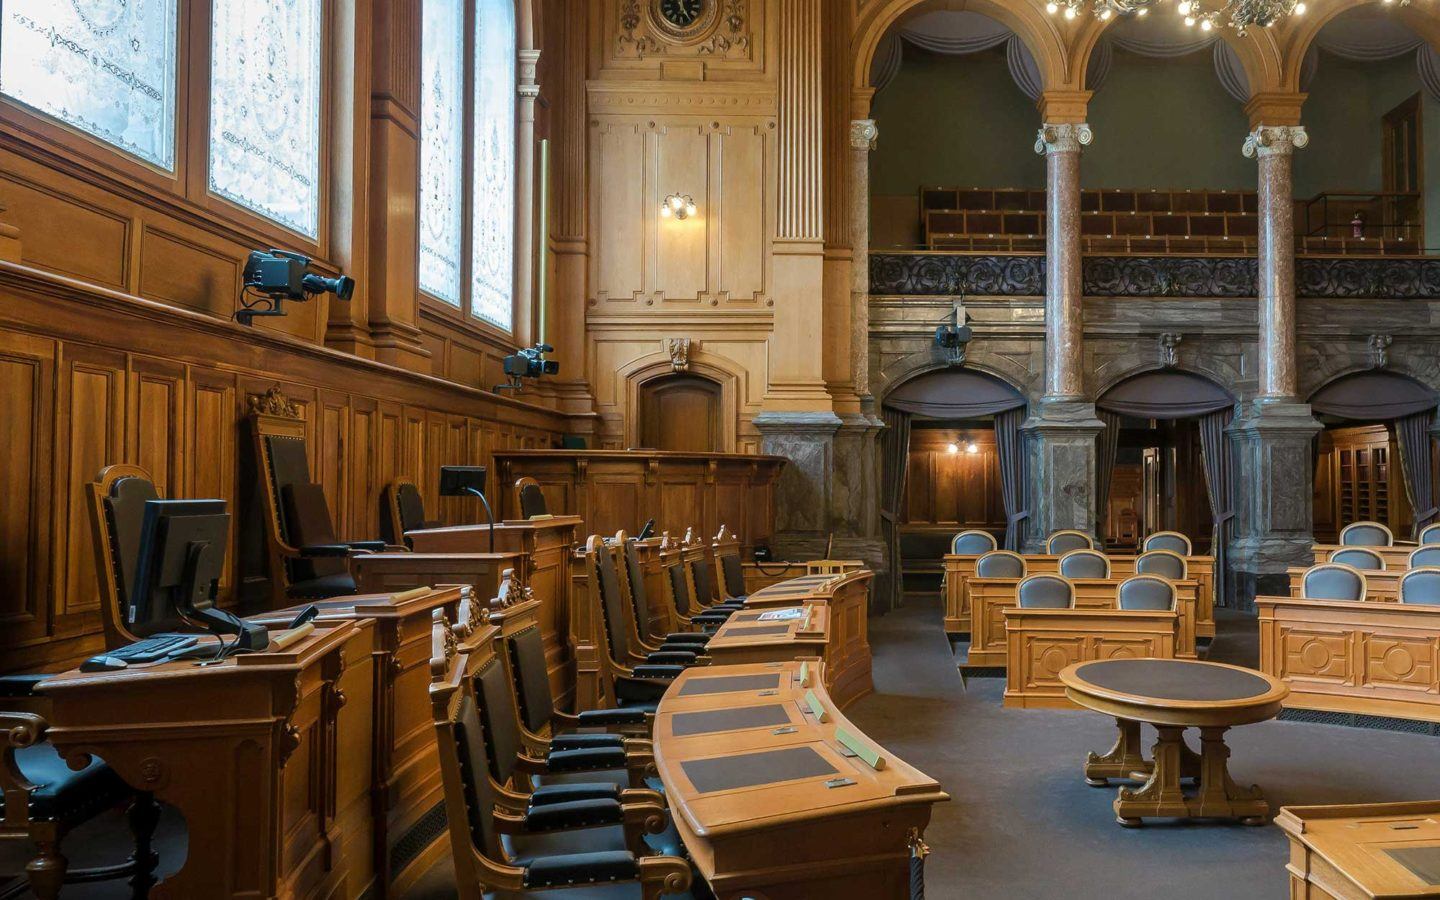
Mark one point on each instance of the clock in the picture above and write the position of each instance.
(682, 20)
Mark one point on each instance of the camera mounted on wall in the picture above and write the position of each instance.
(952, 337)
(273, 276)
(528, 363)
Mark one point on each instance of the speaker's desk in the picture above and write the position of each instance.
(754, 636)
(267, 756)
(1363, 851)
(777, 795)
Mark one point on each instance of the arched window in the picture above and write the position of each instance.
(472, 272)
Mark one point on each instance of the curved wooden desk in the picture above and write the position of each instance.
(777, 795)
(1363, 851)
(1172, 695)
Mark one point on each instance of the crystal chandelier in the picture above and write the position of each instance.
(1206, 14)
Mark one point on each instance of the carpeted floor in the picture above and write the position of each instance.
(1022, 823)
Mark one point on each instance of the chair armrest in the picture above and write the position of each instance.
(686, 637)
(681, 658)
(325, 551)
(605, 867)
(546, 794)
(641, 690)
(584, 741)
(657, 671)
(20, 685)
(18, 730)
(573, 814)
(368, 546)
(587, 759)
(607, 718)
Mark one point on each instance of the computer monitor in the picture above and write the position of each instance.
(177, 576)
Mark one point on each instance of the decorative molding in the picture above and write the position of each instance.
(1063, 138)
(631, 97)
(1274, 140)
(863, 134)
(526, 74)
(1380, 350)
(273, 403)
(734, 36)
(634, 36)
(679, 350)
(1169, 349)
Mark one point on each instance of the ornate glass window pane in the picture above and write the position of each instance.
(265, 108)
(442, 148)
(107, 67)
(493, 217)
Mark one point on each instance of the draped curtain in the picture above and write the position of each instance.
(1010, 453)
(894, 459)
(1220, 485)
(1412, 433)
(1105, 462)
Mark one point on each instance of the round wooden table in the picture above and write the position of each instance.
(1172, 695)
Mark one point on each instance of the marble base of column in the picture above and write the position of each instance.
(1274, 485)
(1061, 437)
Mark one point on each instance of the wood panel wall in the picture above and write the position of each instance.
(91, 377)
(1358, 477)
(953, 491)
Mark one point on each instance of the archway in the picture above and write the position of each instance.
(681, 411)
(952, 459)
(1373, 420)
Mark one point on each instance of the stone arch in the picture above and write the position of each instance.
(1147, 372)
(1302, 31)
(1258, 51)
(1209, 366)
(1341, 368)
(1000, 368)
(731, 378)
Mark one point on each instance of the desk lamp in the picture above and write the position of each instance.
(461, 481)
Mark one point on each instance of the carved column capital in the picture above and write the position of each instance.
(1063, 138)
(1274, 140)
(863, 134)
(526, 73)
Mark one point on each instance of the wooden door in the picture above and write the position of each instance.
(681, 412)
(1403, 157)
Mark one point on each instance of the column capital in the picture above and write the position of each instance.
(863, 134)
(525, 73)
(1274, 140)
(1063, 138)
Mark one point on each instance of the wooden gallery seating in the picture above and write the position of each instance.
(1047, 632)
(776, 795)
(1364, 656)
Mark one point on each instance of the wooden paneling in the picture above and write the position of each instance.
(953, 491)
(681, 412)
(88, 379)
(1358, 477)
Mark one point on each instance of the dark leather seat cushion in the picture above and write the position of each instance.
(573, 814)
(586, 759)
(581, 868)
(337, 585)
(64, 795)
(583, 741)
(546, 794)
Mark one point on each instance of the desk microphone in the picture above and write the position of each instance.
(307, 614)
(646, 531)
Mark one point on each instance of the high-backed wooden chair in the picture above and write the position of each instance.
(1061, 542)
(1085, 564)
(404, 509)
(1141, 592)
(306, 560)
(1367, 534)
(530, 499)
(1333, 581)
(1362, 558)
(481, 810)
(1045, 592)
(117, 513)
(619, 620)
(973, 543)
(700, 560)
(729, 569)
(680, 594)
(632, 585)
(1165, 563)
(1173, 541)
(1421, 586)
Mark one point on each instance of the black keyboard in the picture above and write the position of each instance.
(155, 647)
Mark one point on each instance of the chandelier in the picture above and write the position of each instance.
(1207, 14)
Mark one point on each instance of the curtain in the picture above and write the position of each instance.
(1373, 395)
(895, 456)
(1412, 433)
(1219, 484)
(954, 394)
(1105, 461)
(1166, 394)
(1010, 453)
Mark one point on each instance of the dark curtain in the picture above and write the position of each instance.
(1010, 453)
(954, 394)
(1108, 448)
(1219, 483)
(1372, 396)
(895, 456)
(1166, 394)
(1412, 433)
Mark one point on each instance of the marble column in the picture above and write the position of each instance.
(1272, 434)
(525, 189)
(1063, 427)
(863, 135)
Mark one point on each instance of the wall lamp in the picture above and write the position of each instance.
(678, 206)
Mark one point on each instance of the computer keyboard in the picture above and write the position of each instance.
(155, 647)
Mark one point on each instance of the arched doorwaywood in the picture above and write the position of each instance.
(1354, 476)
(681, 412)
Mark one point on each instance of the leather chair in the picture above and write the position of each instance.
(729, 569)
(1000, 564)
(1430, 534)
(699, 559)
(1142, 592)
(117, 514)
(619, 622)
(483, 811)
(1333, 581)
(404, 511)
(679, 593)
(1424, 555)
(972, 543)
(632, 585)
(1085, 564)
(1421, 587)
(1362, 558)
(1061, 542)
(1173, 541)
(1366, 534)
(530, 499)
(1165, 563)
(305, 557)
(626, 683)
(1045, 592)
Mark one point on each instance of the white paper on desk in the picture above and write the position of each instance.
(782, 615)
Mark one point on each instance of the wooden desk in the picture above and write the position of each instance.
(959, 569)
(547, 545)
(267, 756)
(1374, 659)
(754, 832)
(386, 573)
(1172, 695)
(746, 638)
(406, 790)
(1363, 851)
(1380, 587)
(990, 597)
(1396, 557)
(1042, 642)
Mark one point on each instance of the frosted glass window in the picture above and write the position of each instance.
(442, 148)
(265, 108)
(106, 67)
(493, 193)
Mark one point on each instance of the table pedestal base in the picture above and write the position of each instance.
(1127, 760)
(1218, 797)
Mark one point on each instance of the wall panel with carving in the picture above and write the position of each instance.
(643, 36)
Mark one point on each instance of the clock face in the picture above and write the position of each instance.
(682, 13)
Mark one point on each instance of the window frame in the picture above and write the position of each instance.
(460, 315)
(185, 192)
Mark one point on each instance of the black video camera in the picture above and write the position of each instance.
(277, 276)
(528, 363)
